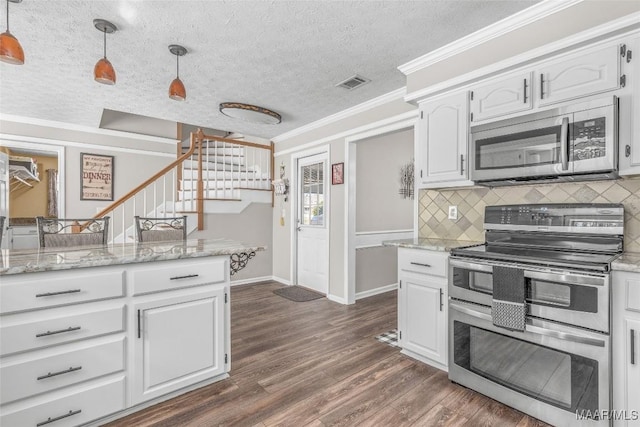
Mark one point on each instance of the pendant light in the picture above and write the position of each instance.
(177, 92)
(10, 50)
(103, 72)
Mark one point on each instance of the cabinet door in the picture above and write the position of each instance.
(442, 140)
(583, 74)
(501, 97)
(631, 400)
(423, 325)
(629, 132)
(178, 342)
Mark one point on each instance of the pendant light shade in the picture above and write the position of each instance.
(10, 50)
(177, 92)
(103, 72)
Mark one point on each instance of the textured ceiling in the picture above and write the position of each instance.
(282, 55)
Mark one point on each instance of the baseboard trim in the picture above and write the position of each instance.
(251, 280)
(425, 360)
(376, 291)
(339, 300)
(281, 280)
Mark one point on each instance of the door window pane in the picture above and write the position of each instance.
(312, 194)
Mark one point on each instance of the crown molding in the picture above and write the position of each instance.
(8, 138)
(408, 118)
(601, 34)
(86, 129)
(500, 28)
(367, 105)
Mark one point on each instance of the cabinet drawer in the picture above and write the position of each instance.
(57, 327)
(59, 288)
(423, 261)
(39, 375)
(82, 406)
(179, 275)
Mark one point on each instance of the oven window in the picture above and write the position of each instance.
(478, 281)
(523, 149)
(561, 379)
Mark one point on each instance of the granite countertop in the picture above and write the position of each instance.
(52, 259)
(443, 245)
(628, 261)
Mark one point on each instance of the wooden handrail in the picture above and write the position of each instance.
(163, 171)
(235, 141)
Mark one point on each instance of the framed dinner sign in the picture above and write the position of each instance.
(96, 175)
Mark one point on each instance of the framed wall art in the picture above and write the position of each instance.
(337, 173)
(96, 175)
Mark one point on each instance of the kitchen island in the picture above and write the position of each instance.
(90, 334)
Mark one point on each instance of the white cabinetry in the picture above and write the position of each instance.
(78, 346)
(630, 110)
(179, 341)
(24, 237)
(626, 347)
(502, 96)
(581, 74)
(422, 305)
(442, 141)
(62, 347)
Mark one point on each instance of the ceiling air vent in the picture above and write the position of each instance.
(353, 82)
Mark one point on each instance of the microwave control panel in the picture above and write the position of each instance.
(589, 139)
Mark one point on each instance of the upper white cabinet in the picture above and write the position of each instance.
(442, 140)
(502, 96)
(582, 74)
(629, 133)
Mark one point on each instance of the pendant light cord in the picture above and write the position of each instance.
(178, 66)
(7, 16)
(105, 43)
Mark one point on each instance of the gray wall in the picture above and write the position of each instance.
(251, 226)
(379, 207)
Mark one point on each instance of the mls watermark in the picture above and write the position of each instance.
(608, 414)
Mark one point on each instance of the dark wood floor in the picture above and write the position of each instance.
(317, 363)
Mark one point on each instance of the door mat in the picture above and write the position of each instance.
(390, 338)
(297, 293)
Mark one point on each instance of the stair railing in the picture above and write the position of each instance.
(213, 168)
(161, 189)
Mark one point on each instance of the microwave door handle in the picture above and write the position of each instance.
(564, 143)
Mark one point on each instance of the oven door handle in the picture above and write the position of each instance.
(581, 339)
(471, 265)
(565, 278)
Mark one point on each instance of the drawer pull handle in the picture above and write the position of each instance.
(66, 371)
(441, 303)
(50, 420)
(420, 264)
(50, 294)
(188, 276)
(632, 344)
(60, 331)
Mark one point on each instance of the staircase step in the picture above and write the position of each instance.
(264, 184)
(188, 174)
(220, 151)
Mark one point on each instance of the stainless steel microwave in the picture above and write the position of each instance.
(575, 142)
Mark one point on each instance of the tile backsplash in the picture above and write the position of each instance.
(433, 206)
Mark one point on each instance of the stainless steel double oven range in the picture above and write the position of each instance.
(558, 369)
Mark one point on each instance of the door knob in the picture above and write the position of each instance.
(299, 228)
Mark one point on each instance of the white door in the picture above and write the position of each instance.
(312, 233)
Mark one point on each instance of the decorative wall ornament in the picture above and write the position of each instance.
(337, 173)
(406, 180)
(96, 175)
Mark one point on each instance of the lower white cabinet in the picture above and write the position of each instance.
(626, 348)
(179, 341)
(422, 305)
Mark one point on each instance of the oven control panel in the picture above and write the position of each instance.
(549, 216)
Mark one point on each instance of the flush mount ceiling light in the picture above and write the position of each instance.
(250, 113)
(103, 72)
(10, 50)
(177, 91)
